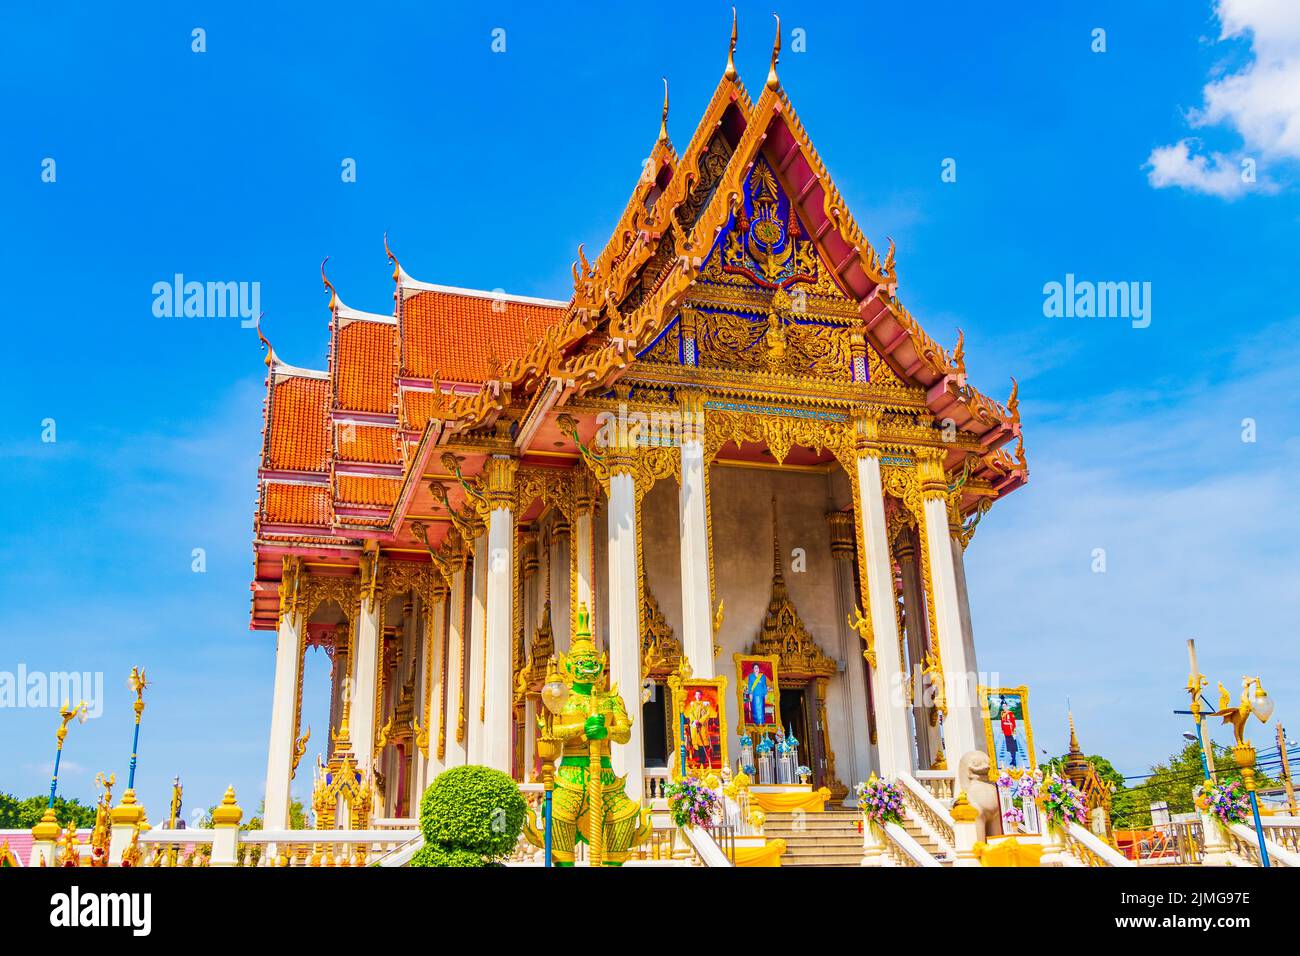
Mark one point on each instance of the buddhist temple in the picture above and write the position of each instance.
(728, 439)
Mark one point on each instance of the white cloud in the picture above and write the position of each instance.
(1261, 102)
(1176, 165)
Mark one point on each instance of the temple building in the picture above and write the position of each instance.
(730, 439)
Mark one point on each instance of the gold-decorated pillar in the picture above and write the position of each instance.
(856, 708)
(888, 691)
(962, 723)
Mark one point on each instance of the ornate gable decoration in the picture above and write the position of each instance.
(783, 633)
(661, 652)
(764, 244)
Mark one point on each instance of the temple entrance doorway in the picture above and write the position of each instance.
(796, 720)
(654, 727)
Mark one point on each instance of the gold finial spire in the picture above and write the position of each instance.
(397, 268)
(730, 72)
(773, 83)
(663, 124)
(334, 296)
(1074, 737)
(266, 343)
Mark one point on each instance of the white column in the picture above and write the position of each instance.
(963, 605)
(927, 737)
(697, 613)
(454, 743)
(475, 637)
(581, 539)
(435, 648)
(530, 736)
(279, 752)
(582, 543)
(888, 694)
(365, 661)
(624, 628)
(961, 727)
(854, 690)
(560, 571)
(497, 720)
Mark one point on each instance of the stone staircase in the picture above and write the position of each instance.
(830, 838)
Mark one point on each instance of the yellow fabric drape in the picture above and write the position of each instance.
(766, 855)
(1008, 852)
(809, 801)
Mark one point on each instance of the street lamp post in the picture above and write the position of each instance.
(1261, 705)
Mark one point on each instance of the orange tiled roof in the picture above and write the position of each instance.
(296, 504)
(367, 490)
(375, 444)
(365, 366)
(417, 406)
(453, 336)
(298, 431)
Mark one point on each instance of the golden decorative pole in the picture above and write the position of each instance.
(1286, 767)
(595, 805)
(47, 830)
(1195, 681)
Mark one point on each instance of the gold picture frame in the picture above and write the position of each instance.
(744, 668)
(713, 692)
(1006, 756)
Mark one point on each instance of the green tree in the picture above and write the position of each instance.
(1171, 781)
(470, 816)
(24, 814)
(1174, 780)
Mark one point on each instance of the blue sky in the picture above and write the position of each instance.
(487, 169)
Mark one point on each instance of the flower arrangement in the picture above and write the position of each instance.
(691, 803)
(879, 801)
(1063, 802)
(803, 773)
(1020, 788)
(1228, 802)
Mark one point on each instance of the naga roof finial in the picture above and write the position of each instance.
(730, 72)
(334, 295)
(773, 82)
(663, 123)
(266, 343)
(397, 268)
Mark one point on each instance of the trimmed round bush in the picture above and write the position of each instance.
(470, 816)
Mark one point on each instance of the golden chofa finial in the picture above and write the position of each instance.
(397, 269)
(334, 296)
(773, 83)
(730, 72)
(266, 343)
(663, 123)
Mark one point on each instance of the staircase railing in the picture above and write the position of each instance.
(706, 847)
(942, 784)
(902, 850)
(1243, 844)
(1085, 846)
(930, 815)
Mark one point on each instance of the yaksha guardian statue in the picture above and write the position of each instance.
(590, 803)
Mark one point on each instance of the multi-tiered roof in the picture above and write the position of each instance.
(348, 452)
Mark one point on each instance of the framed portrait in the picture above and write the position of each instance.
(1007, 731)
(699, 725)
(756, 689)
